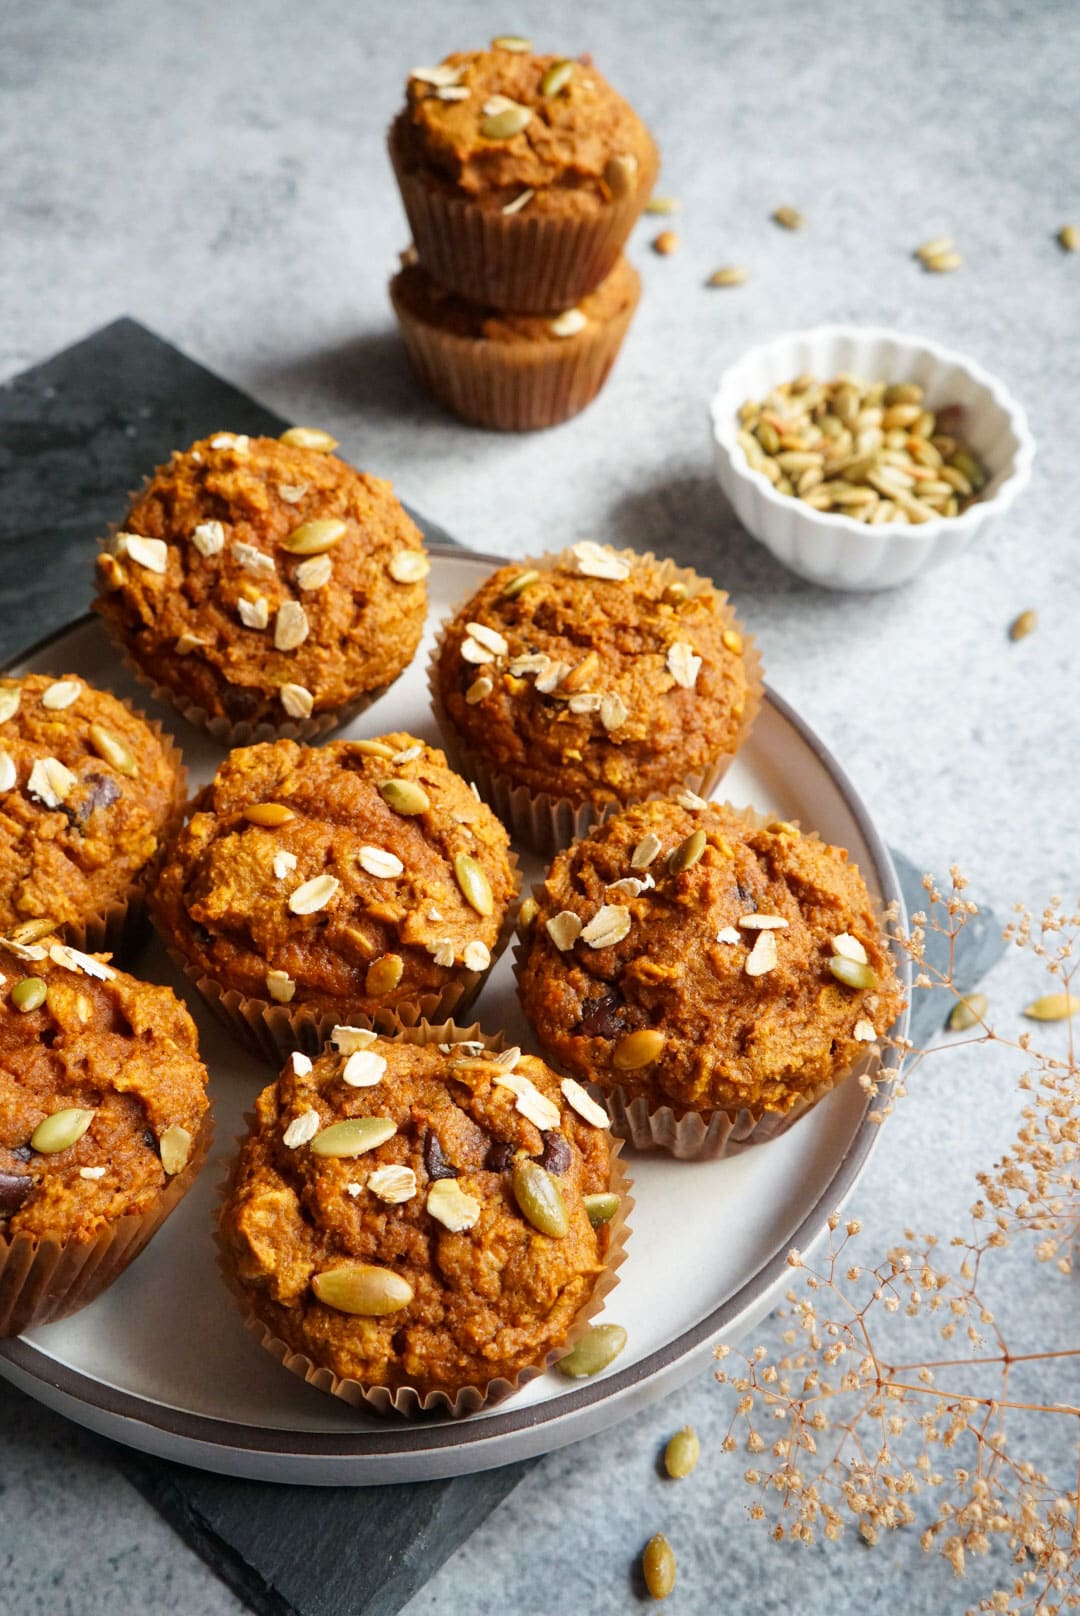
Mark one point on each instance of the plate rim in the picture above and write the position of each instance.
(61, 1384)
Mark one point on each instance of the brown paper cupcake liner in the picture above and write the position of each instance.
(704, 1135)
(513, 387)
(528, 263)
(539, 819)
(42, 1281)
(122, 925)
(272, 1031)
(409, 1401)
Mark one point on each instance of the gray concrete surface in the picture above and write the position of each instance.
(218, 173)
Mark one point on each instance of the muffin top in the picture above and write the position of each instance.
(465, 1287)
(102, 1092)
(602, 676)
(690, 956)
(418, 294)
(261, 580)
(353, 877)
(490, 125)
(86, 791)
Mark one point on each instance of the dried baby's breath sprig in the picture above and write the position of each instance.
(861, 1423)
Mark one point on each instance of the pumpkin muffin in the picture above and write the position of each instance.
(104, 1122)
(713, 974)
(354, 881)
(265, 586)
(411, 1223)
(522, 175)
(516, 372)
(572, 685)
(88, 792)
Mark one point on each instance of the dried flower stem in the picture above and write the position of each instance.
(892, 1425)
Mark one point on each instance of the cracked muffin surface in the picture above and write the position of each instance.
(261, 581)
(563, 153)
(598, 675)
(352, 878)
(704, 961)
(396, 1254)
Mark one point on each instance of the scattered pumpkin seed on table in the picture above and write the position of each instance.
(1053, 1007)
(729, 275)
(658, 1566)
(968, 1012)
(682, 1452)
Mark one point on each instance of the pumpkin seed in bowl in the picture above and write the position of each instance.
(871, 451)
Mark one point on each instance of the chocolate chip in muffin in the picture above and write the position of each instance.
(499, 1156)
(604, 1017)
(557, 1154)
(435, 1163)
(14, 1189)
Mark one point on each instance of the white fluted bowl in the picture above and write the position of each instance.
(836, 550)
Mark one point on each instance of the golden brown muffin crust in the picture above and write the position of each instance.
(562, 155)
(224, 509)
(123, 1049)
(620, 722)
(489, 1300)
(732, 1039)
(74, 838)
(432, 304)
(221, 901)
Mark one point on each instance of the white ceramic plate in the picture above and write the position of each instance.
(162, 1361)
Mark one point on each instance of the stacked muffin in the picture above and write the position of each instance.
(522, 176)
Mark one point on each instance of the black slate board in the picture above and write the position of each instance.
(75, 433)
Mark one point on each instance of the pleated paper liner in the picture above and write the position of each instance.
(42, 1281)
(452, 1402)
(230, 733)
(272, 1031)
(524, 262)
(541, 820)
(705, 1135)
(512, 386)
(121, 926)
